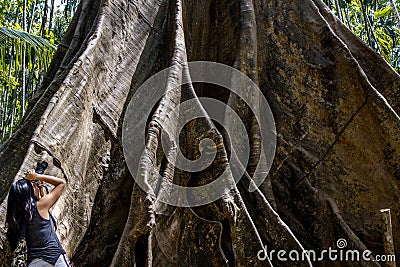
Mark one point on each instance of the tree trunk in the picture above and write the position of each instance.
(33, 11)
(44, 19)
(5, 109)
(51, 15)
(337, 125)
(12, 113)
(23, 71)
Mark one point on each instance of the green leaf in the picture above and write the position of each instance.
(383, 12)
(20, 36)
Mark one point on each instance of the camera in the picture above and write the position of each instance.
(40, 168)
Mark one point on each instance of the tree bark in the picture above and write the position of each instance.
(336, 163)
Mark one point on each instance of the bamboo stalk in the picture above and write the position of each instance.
(339, 12)
(364, 12)
(23, 82)
(34, 4)
(2, 107)
(23, 78)
(44, 20)
(346, 12)
(13, 111)
(4, 115)
(51, 15)
(30, 83)
(395, 12)
(373, 36)
(6, 111)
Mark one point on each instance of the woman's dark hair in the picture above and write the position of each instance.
(21, 201)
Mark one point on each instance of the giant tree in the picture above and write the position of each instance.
(335, 104)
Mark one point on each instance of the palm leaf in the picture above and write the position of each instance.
(9, 36)
(13, 42)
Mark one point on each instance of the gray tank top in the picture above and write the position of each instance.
(42, 240)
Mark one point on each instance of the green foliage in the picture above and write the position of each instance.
(373, 21)
(15, 43)
(27, 45)
(11, 36)
(383, 12)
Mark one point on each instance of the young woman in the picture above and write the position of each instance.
(28, 208)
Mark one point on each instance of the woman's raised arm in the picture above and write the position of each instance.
(51, 198)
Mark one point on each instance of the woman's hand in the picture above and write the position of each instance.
(31, 175)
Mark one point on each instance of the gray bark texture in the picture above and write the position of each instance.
(334, 100)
